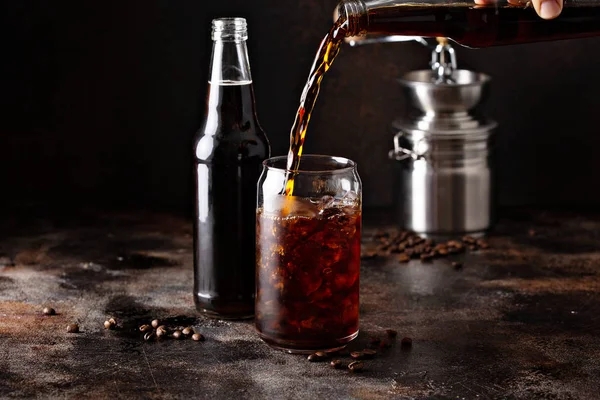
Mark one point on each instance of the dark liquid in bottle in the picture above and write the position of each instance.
(229, 154)
(328, 51)
(482, 26)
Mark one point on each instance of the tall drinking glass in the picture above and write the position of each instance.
(308, 254)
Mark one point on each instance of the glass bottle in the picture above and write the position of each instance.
(499, 22)
(229, 151)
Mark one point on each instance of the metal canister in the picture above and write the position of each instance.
(443, 150)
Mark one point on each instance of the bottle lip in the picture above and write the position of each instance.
(313, 164)
(354, 12)
(234, 29)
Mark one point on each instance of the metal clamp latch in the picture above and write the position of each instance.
(401, 153)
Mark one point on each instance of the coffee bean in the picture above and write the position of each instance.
(443, 252)
(317, 357)
(391, 333)
(155, 323)
(532, 232)
(49, 311)
(368, 353)
(108, 325)
(426, 257)
(356, 366)
(73, 328)
(457, 265)
(404, 258)
(483, 244)
(357, 355)
(145, 328)
(161, 331)
(336, 364)
(188, 331)
(469, 240)
(455, 243)
(406, 342)
(149, 336)
(177, 334)
(198, 337)
(473, 247)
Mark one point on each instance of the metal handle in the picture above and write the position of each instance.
(401, 153)
(443, 61)
(356, 41)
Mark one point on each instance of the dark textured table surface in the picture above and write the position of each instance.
(520, 320)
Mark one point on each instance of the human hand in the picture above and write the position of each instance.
(547, 9)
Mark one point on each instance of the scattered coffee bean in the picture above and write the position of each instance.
(469, 239)
(427, 256)
(108, 325)
(356, 366)
(197, 337)
(155, 323)
(149, 336)
(336, 364)
(357, 355)
(188, 331)
(391, 333)
(161, 331)
(368, 354)
(73, 328)
(49, 311)
(457, 265)
(483, 244)
(532, 232)
(455, 244)
(317, 357)
(409, 245)
(177, 334)
(145, 328)
(406, 342)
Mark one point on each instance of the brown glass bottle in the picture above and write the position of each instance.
(469, 24)
(229, 151)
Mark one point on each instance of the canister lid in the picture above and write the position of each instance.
(449, 105)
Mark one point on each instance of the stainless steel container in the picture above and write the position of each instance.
(443, 151)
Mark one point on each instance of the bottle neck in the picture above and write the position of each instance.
(356, 14)
(230, 92)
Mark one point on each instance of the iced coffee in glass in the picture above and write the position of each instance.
(308, 254)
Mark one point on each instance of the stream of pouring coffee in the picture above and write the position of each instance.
(328, 51)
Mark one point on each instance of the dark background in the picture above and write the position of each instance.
(100, 101)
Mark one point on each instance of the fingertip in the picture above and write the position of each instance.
(549, 9)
